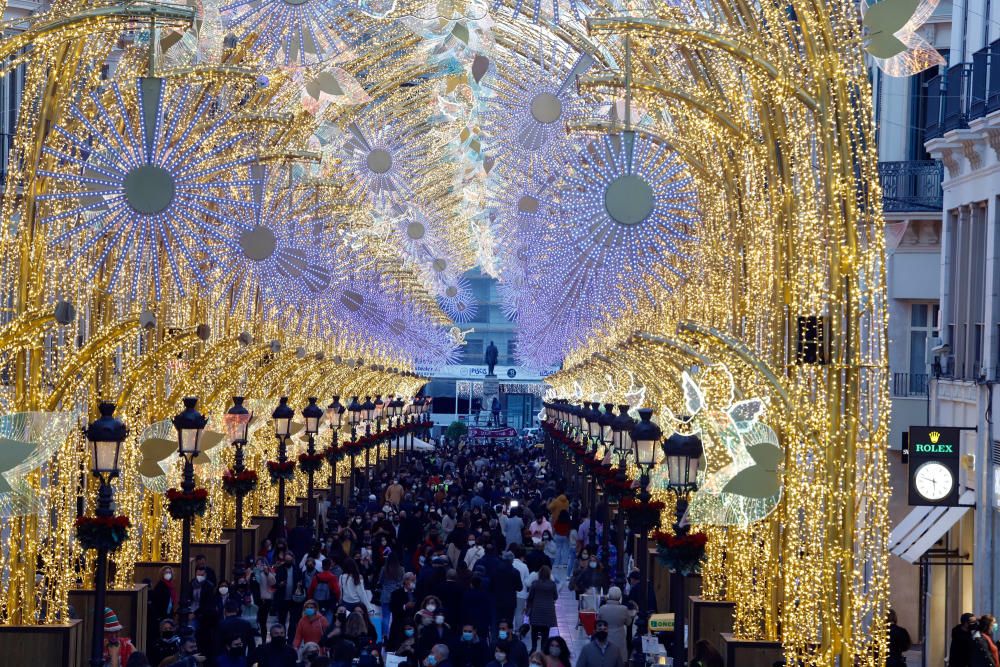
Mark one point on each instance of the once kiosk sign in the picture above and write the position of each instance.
(934, 465)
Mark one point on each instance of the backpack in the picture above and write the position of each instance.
(322, 592)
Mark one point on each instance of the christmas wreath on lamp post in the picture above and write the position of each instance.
(239, 484)
(311, 462)
(281, 470)
(183, 505)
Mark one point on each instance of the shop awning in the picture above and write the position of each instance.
(924, 526)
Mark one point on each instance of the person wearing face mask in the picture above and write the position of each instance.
(288, 585)
(166, 642)
(311, 627)
(541, 606)
(222, 596)
(234, 626)
(469, 650)
(234, 655)
(406, 645)
(434, 633)
(619, 617)
(276, 652)
(517, 652)
(537, 660)
(162, 599)
(557, 653)
(590, 577)
(206, 611)
(473, 552)
(599, 652)
(987, 630)
(501, 657)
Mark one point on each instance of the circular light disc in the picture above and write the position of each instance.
(149, 189)
(440, 265)
(415, 231)
(629, 199)
(451, 292)
(546, 108)
(527, 204)
(379, 160)
(258, 243)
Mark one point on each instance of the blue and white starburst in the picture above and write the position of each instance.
(533, 100)
(292, 32)
(142, 191)
(454, 295)
(384, 158)
(627, 209)
(279, 252)
(535, 10)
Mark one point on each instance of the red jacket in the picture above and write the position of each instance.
(330, 579)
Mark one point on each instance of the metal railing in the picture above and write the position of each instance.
(964, 92)
(913, 185)
(909, 384)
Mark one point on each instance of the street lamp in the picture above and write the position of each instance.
(355, 413)
(312, 414)
(237, 424)
(190, 425)
(605, 421)
(621, 445)
(334, 418)
(646, 436)
(683, 458)
(282, 418)
(590, 420)
(105, 435)
(368, 408)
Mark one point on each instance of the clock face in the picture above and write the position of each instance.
(933, 480)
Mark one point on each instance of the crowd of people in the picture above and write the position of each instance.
(454, 558)
(972, 643)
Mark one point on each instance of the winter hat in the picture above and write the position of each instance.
(111, 623)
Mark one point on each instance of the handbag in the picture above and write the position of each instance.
(299, 595)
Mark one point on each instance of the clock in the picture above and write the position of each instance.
(933, 480)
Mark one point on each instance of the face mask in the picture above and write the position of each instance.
(431, 606)
(501, 657)
(223, 590)
(408, 632)
(168, 576)
(593, 565)
(554, 651)
(467, 636)
(278, 642)
(431, 660)
(310, 611)
(472, 544)
(601, 636)
(439, 619)
(200, 578)
(503, 634)
(235, 651)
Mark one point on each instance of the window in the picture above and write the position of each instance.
(510, 351)
(965, 300)
(923, 328)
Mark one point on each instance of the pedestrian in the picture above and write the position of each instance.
(276, 652)
(600, 652)
(899, 641)
(117, 648)
(557, 653)
(311, 627)
(619, 617)
(541, 606)
(988, 630)
(960, 651)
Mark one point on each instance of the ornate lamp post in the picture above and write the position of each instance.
(334, 418)
(368, 412)
(190, 425)
(105, 435)
(354, 416)
(646, 436)
(605, 421)
(621, 443)
(395, 417)
(683, 458)
(378, 413)
(282, 418)
(312, 414)
(590, 419)
(237, 423)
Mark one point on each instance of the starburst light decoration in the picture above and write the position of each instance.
(535, 10)
(277, 252)
(456, 300)
(384, 158)
(292, 32)
(617, 237)
(533, 100)
(146, 189)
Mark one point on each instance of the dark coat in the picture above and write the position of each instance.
(505, 584)
(468, 654)
(542, 602)
(960, 653)
(281, 575)
(269, 656)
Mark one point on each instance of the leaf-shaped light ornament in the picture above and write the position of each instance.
(158, 450)
(891, 37)
(28, 440)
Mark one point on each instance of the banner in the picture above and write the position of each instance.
(505, 432)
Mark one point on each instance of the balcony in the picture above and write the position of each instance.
(913, 185)
(909, 384)
(964, 92)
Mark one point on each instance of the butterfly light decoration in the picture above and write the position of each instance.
(741, 480)
(892, 39)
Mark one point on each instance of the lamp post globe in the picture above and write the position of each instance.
(237, 426)
(190, 425)
(282, 420)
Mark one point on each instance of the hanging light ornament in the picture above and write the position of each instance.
(456, 300)
(385, 158)
(292, 32)
(145, 189)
